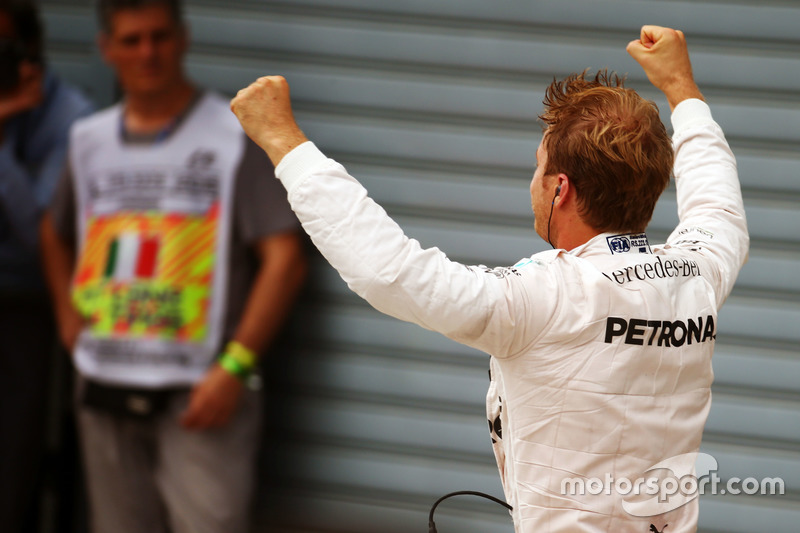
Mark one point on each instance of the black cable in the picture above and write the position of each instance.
(552, 205)
(432, 525)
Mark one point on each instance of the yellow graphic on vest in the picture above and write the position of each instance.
(148, 275)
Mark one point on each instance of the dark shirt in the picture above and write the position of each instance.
(31, 159)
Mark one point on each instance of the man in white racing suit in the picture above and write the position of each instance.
(601, 349)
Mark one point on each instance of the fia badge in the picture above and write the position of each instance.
(627, 242)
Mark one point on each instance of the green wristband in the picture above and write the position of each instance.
(234, 367)
(243, 355)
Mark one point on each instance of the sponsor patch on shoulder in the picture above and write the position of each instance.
(696, 229)
(530, 262)
(627, 242)
(501, 272)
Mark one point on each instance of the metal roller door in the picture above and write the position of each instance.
(432, 105)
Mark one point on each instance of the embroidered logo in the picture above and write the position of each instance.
(620, 244)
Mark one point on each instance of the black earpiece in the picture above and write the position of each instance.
(558, 191)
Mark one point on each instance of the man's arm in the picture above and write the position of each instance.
(710, 207)
(280, 276)
(278, 280)
(57, 248)
(58, 264)
(491, 310)
(25, 96)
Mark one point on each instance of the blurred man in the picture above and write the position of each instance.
(173, 258)
(36, 110)
(601, 349)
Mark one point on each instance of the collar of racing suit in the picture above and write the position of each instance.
(613, 244)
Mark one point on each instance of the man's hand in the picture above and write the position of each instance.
(70, 325)
(213, 401)
(663, 55)
(265, 113)
(27, 94)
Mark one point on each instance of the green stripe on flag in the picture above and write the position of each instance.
(111, 259)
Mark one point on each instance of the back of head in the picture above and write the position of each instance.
(23, 43)
(107, 8)
(612, 146)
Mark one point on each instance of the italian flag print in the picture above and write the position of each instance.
(131, 256)
(148, 275)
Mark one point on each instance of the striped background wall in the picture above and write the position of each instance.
(432, 104)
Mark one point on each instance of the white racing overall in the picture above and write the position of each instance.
(601, 356)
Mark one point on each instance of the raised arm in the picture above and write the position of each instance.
(489, 310)
(710, 208)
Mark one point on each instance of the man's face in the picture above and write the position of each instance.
(145, 46)
(541, 196)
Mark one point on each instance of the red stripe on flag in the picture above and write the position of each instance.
(148, 251)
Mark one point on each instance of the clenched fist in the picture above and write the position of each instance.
(264, 110)
(663, 55)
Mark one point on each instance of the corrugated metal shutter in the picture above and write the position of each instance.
(433, 105)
